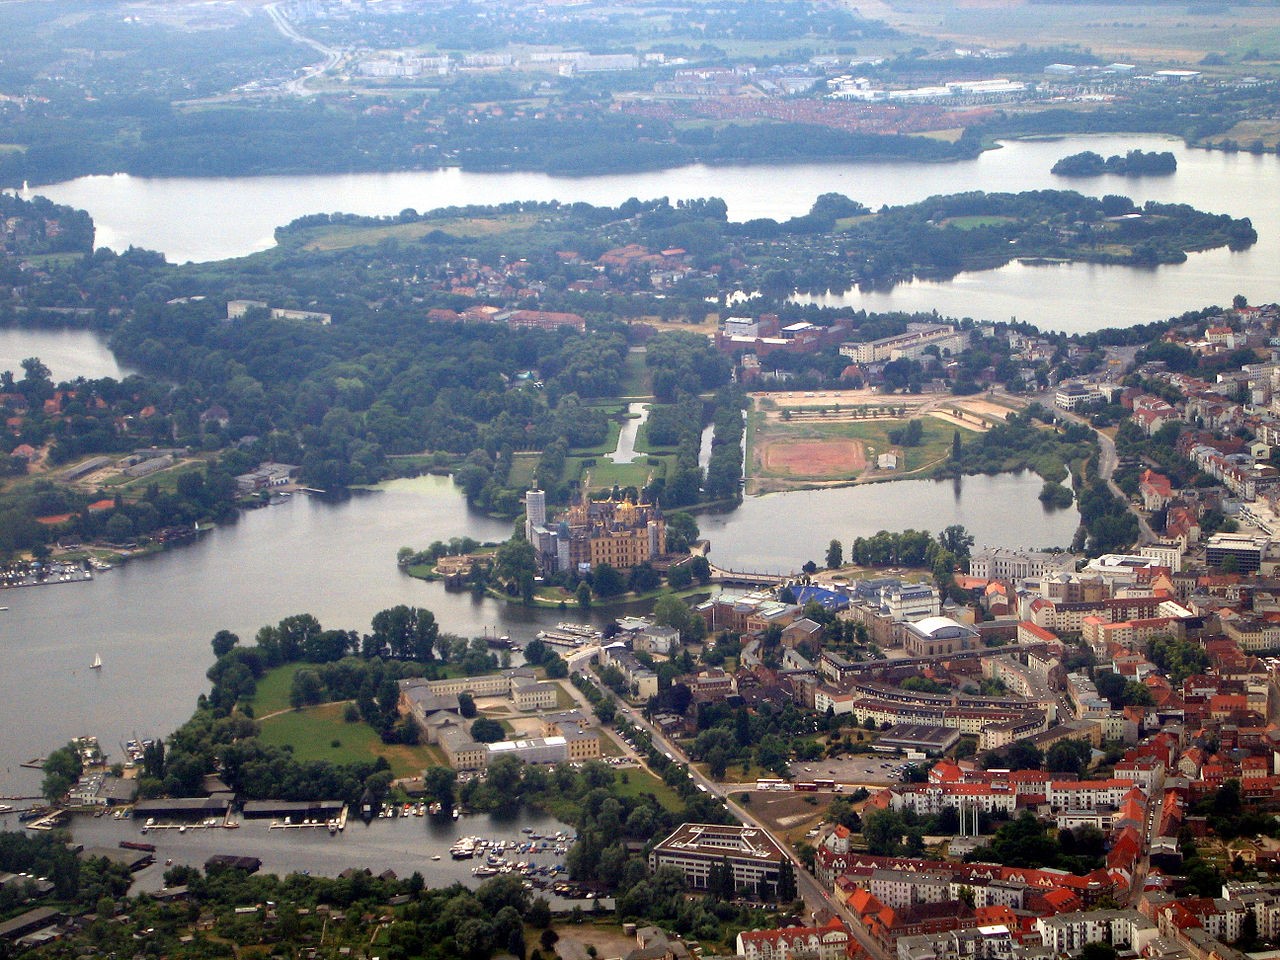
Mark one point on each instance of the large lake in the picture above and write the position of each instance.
(151, 619)
(227, 217)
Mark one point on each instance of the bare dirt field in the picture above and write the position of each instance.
(826, 398)
(983, 407)
(791, 814)
(609, 941)
(814, 458)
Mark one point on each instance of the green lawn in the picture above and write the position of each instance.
(313, 731)
(273, 689)
(640, 782)
(522, 467)
(637, 379)
(564, 699)
(605, 473)
(343, 236)
(969, 223)
(735, 774)
(50, 259)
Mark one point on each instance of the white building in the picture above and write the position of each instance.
(694, 849)
(1069, 932)
(999, 563)
(1087, 794)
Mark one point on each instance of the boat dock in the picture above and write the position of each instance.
(333, 824)
(40, 577)
(48, 821)
(570, 636)
(184, 827)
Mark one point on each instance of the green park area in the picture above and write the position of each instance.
(321, 733)
(635, 782)
(272, 692)
(637, 377)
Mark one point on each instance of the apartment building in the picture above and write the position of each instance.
(1069, 932)
(1087, 794)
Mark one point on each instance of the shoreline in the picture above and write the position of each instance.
(996, 143)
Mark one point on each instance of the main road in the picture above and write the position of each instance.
(332, 56)
(812, 892)
(1108, 460)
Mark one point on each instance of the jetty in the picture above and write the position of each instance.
(47, 821)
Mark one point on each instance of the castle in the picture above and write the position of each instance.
(617, 532)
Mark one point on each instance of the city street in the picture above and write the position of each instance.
(814, 896)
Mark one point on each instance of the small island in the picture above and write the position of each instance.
(1135, 163)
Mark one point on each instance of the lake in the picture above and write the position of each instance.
(151, 619)
(228, 217)
(402, 844)
(771, 533)
(67, 353)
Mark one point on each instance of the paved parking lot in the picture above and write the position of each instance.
(869, 768)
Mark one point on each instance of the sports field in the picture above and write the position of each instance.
(825, 459)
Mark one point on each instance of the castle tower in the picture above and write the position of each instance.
(535, 511)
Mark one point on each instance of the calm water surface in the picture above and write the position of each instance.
(403, 845)
(779, 531)
(67, 353)
(235, 216)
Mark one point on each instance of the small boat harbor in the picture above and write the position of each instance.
(40, 574)
(530, 845)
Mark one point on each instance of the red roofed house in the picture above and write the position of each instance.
(829, 942)
(1155, 489)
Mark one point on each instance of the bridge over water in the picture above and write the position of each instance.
(748, 578)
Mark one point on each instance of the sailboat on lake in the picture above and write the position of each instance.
(97, 662)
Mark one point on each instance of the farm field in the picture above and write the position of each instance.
(1161, 31)
(344, 236)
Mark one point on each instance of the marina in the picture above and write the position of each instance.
(528, 844)
(41, 575)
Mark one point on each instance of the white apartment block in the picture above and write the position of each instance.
(932, 799)
(902, 888)
(910, 345)
(1087, 794)
(1069, 932)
